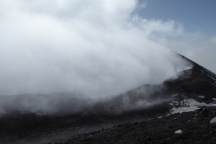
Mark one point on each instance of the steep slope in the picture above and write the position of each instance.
(194, 83)
(199, 82)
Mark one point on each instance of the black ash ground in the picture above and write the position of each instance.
(194, 127)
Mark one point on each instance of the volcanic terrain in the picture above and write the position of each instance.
(147, 114)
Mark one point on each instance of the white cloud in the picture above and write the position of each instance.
(96, 46)
(195, 46)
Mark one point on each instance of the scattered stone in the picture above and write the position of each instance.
(178, 132)
(213, 120)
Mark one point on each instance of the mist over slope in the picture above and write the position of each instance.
(57, 46)
(190, 83)
(68, 116)
(71, 67)
(82, 102)
(65, 56)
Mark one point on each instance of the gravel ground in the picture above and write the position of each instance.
(195, 127)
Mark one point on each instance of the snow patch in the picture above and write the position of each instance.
(178, 132)
(189, 105)
(183, 109)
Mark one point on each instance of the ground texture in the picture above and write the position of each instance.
(195, 127)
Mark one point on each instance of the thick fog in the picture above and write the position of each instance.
(68, 56)
(99, 47)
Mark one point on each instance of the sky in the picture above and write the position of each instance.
(197, 19)
(196, 15)
(103, 47)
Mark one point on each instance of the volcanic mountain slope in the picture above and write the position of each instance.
(69, 120)
(200, 82)
(195, 83)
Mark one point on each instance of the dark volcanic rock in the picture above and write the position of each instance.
(195, 127)
(199, 82)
